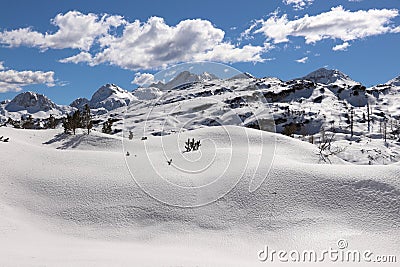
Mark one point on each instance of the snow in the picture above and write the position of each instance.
(147, 93)
(394, 81)
(71, 200)
(92, 200)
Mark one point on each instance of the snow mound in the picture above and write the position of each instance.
(83, 206)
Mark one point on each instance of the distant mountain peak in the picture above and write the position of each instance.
(31, 101)
(109, 97)
(329, 76)
(184, 77)
(79, 103)
(394, 81)
(243, 75)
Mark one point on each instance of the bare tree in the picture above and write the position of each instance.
(352, 122)
(326, 149)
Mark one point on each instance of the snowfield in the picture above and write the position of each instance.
(71, 200)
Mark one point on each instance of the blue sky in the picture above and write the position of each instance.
(68, 49)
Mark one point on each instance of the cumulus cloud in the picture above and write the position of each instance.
(298, 4)
(302, 60)
(341, 47)
(153, 44)
(75, 30)
(396, 30)
(337, 23)
(143, 78)
(81, 57)
(1, 65)
(12, 80)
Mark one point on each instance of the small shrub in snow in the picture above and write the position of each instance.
(192, 145)
(107, 126)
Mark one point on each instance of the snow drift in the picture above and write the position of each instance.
(71, 201)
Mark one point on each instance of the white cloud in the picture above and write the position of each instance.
(396, 30)
(226, 52)
(81, 57)
(337, 23)
(143, 78)
(136, 45)
(298, 4)
(12, 80)
(1, 65)
(341, 47)
(75, 30)
(302, 60)
(154, 44)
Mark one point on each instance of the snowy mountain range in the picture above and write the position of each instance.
(322, 100)
(31, 103)
(110, 97)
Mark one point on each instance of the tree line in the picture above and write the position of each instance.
(78, 119)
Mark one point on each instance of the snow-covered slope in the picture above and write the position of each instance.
(394, 81)
(78, 206)
(147, 93)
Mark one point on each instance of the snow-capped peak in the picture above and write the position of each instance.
(32, 102)
(110, 97)
(79, 103)
(206, 76)
(185, 77)
(243, 75)
(328, 76)
(394, 82)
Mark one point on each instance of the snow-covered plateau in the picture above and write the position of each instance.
(299, 165)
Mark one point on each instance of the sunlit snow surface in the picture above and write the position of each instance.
(70, 200)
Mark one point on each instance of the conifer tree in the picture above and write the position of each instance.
(51, 122)
(87, 118)
(76, 121)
